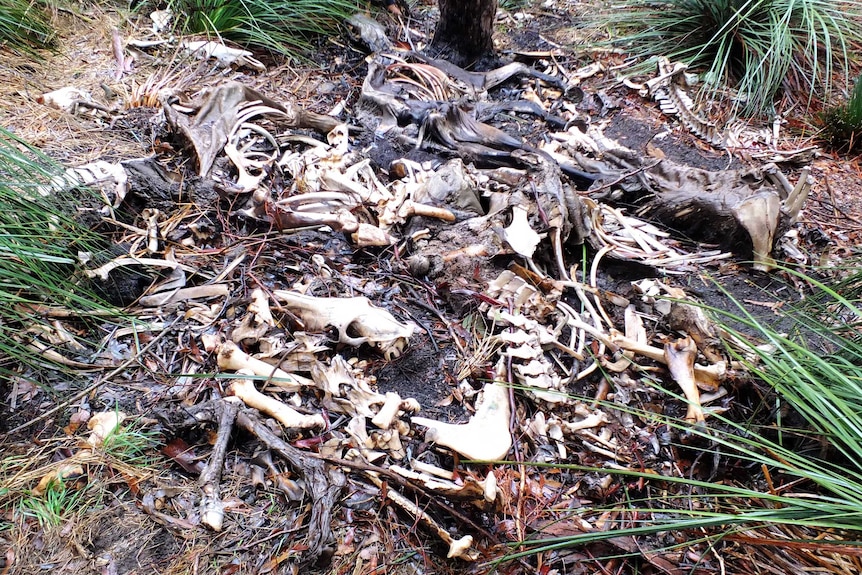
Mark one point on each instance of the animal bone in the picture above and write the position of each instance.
(680, 361)
(258, 319)
(102, 425)
(355, 319)
(707, 377)
(486, 437)
(460, 548)
(231, 357)
(388, 413)
(281, 412)
(343, 391)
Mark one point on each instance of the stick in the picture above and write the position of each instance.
(323, 483)
(212, 508)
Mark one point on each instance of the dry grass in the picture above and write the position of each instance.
(85, 60)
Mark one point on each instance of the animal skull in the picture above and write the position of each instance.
(355, 319)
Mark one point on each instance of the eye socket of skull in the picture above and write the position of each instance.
(352, 329)
(352, 334)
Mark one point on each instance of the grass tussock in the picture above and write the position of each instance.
(40, 238)
(284, 27)
(842, 124)
(765, 49)
(25, 26)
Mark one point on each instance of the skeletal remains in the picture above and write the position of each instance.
(355, 321)
(331, 186)
(287, 416)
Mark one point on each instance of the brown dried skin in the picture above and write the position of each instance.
(218, 112)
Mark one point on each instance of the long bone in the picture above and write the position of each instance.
(680, 356)
(281, 412)
(232, 358)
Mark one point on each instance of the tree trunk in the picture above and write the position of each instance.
(464, 32)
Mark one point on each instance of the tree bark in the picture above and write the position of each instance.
(464, 31)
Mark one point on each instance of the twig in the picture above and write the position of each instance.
(323, 485)
(212, 508)
(624, 176)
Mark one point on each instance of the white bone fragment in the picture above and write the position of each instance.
(225, 56)
(589, 421)
(258, 319)
(490, 484)
(680, 356)
(555, 432)
(161, 19)
(355, 320)
(519, 235)
(486, 437)
(355, 428)
(281, 412)
(367, 235)
(429, 469)
(634, 326)
(66, 98)
(250, 172)
(232, 358)
(706, 376)
(102, 425)
(346, 392)
(460, 548)
(210, 342)
(184, 294)
(388, 440)
(388, 413)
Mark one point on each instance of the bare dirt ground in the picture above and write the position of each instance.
(138, 517)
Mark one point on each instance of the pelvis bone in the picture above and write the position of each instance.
(355, 319)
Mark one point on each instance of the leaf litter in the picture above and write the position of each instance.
(393, 269)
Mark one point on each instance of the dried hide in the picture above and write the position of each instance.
(742, 210)
(217, 113)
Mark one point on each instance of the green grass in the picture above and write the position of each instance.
(842, 124)
(39, 241)
(133, 445)
(765, 49)
(51, 508)
(25, 27)
(279, 26)
(512, 5)
(816, 373)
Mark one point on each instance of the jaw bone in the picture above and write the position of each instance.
(486, 437)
